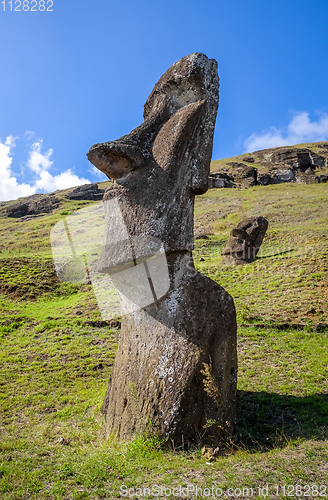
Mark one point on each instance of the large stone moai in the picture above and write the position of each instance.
(175, 370)
(245, 241)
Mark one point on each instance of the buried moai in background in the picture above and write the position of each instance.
(176, 365)
(245, 241)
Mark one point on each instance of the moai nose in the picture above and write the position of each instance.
(114, 159)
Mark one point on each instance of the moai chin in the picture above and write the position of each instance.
(166, 348)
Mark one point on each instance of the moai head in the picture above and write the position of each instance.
(147, 214)
(245, 240)
(159, 167)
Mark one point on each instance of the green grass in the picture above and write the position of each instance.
(54, 376)
(54, 368)
(290, 276)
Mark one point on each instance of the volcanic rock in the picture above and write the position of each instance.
(42, 204)
(283, 175)
(307, 177)
(86, 192)
(274, 166)
(243, 175)
(263, 179)
(220, 180)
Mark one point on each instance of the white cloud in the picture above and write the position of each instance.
(9, 187)
(39, 163)
(300, 130)
(64, 180)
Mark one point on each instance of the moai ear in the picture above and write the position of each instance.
(192, 81)
(201, 170)
(174, 144)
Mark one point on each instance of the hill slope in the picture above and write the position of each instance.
(57, 354)
(288, 281)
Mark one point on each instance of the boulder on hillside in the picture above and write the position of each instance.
(277, 165)
(323, 178)
(221, 180)
(245, 241)
(297, 159)
(300, 159)
(263, 179)
(43, 205)
(86, 192)
(249, 159)
(282, 175)
(17, 210)
(243, 175)
(318, 161)
(307, 177)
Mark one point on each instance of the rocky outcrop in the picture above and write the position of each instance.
(322, 178)
(263, 179)
(243, 175)
(17, 210)
(245, 241)
(249, 159)
(307, 177)
(41, 205)
(274, 166)
(220, 180)
(282, 175)
(86, 192)
(297, 159)
(176, 363)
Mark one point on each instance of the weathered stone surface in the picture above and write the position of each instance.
(243, 175)
(245, 241)
(43, 205)
(86, 192)
(249, 159)
(220, 180)
(307, 177)
(263, 179)
(283, 175)
(170, 348)
(298, 159)
(17, 210)
(318, 160)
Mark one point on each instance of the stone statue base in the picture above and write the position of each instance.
(167, 354)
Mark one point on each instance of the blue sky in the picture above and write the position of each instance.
(81, 74)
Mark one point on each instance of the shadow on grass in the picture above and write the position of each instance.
(269, 420)
(260, 257)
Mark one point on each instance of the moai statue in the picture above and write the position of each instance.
(245, 241)
(175, 371)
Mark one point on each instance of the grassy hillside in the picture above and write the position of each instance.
(56, 360)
